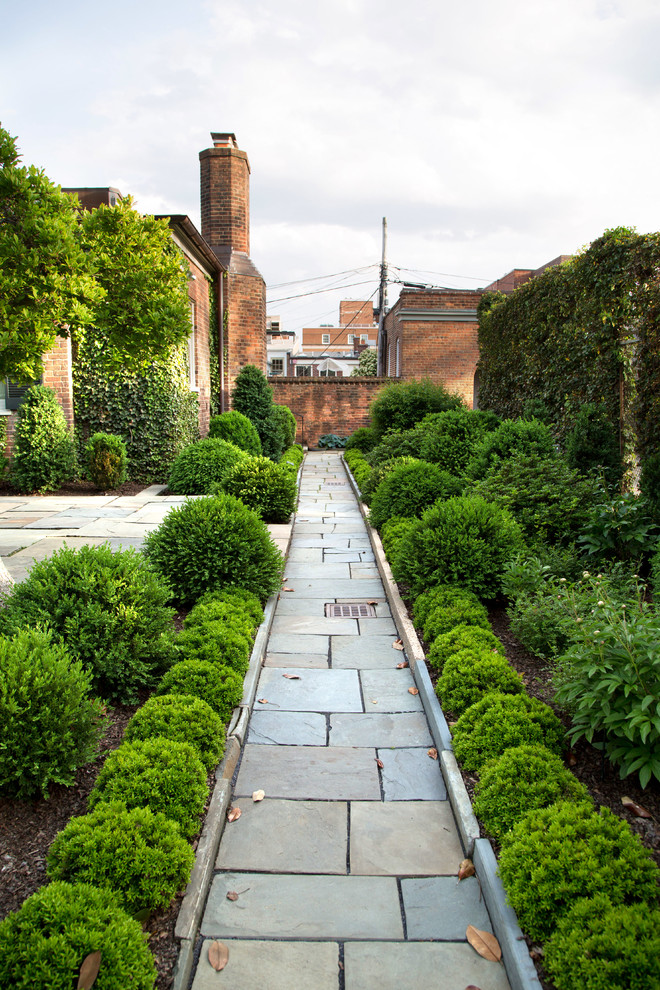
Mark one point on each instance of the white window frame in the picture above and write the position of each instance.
(325, 338)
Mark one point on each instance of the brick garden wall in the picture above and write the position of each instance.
(326, 405)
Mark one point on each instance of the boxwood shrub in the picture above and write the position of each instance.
(45, 942)
(470, 674)
(402, 404)
(216, 642)
(381, 471)
(106, 460)
(203, 465)
(363, 439)
(461, 637)
(524, 436)
(235, 428)
(139, 855)
(211, 609)
(519, 780)
(409, 489)
(214, 543)
(448, 439)
(181, 718)
(439, 609)
(268, 488)
(603, 946)
(391, 532)
(43, 455)
(499, 721)
(241, 599)
(439, 596)
(220, 687)
(359, 468)
(292, 458)
(555, 855)
(158, 773)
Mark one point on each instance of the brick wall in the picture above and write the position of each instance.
(56, 375)
(326, 405)
(198, 293)
(245, 335)
(225, 197)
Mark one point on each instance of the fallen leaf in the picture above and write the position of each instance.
(218, 955)
(397, 644)
(292, 677)
(258, 795)
(232, 895)
(288, 589)
(263, 701)
(373, 603)
(433, 753)
(466, 869)
(636, 809)
(536, 952)
(233, 814)
(400, 666)
(571, 758)
(472, 987)
(380, 764)
(484, 943)
(413, 690)
(89, 971)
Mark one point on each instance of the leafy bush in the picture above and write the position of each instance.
(603, 946)
(220, 687)
(292, 458)
(593, 444)
(212, 543)
(391, 532)
(331, 441)
(217, 642)
(409, 489)
(214, 609)
(285, 423)
(519, 780)
(655, 574)
(381, 471)
(43, 455)
(364, 439)
(203, 465)
(650, 484)
(470, 674)
(554, 855)
(440, 596)
(529, 437)
(50, 726)
(235, 428)
(138, 855)
(158, 773)
(44, 943)
(395, 444)
(449, 438)
(461, 637)
(460, 612)
(106, 462)
(402, 404)
(181, 718)
(268, 488)
(253, 396)
(620, 528)
(500, 721)
(465, 541)
(107, 606)
(240, 598)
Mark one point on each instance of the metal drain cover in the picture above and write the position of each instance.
(360, 610)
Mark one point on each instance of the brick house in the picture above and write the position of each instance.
(333, 351)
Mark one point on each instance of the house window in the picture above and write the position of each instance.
(325, 338)
(351, 338)
(364, 338)
(303, 371)
(328, 374)
(192, 360)
(277, 366)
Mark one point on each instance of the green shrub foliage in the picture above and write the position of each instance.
(43, 454)
(461, 637)
(214, 609)
(650, 483)
(603, 946)
(499, 721)
(443, 618)
(469, 674)
(158, 773)
(409, 489)
(108, 607)
(218, 642)
(220, 687)
(213, 543)
(391, 532)
(241, 599)
(395, 444)
(268, 488)
(253, 396)
(181, 718)
(235, 428)
(45, 942)
(203, 465)
(50, 726)
(513, 436)
(518, 781)
(555, 855)
(381, 471)
(285, 422)
(440, 596)
(138, 855)
(292, 458)
(364, 439)
(593, 444)
(106, 461)
(465, 541)
(402, 404)
(449, 438)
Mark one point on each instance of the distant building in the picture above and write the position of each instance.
(279, 347)
(333, 351)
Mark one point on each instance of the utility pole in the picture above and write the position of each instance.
(382, 303)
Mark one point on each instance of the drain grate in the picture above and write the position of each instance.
(354, 611)
(338, 484)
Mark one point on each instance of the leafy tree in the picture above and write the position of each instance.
(367, 364)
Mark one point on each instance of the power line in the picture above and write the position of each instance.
(316, 278)
(316, 292)
(345, 328)
(423, 271)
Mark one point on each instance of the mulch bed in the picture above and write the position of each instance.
(79, 488)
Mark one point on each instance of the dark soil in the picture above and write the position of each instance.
(79, 488)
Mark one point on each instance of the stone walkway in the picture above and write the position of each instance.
(346, 872)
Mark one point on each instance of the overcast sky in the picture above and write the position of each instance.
(492, 135)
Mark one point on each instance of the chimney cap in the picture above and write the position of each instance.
(224, 140)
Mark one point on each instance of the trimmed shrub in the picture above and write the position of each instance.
(213, 543)
(158, 773)
(364, 439)
(598, 945)
(395, 444)
(461, 637)
(285, 423)
(554, 855)
(235, 428)
(253, 396)
(50, 726)
(409, 489)
(449, 438)
(402, 404)
(106, 461)
(268, 488)
(391, 532)
(220, 687)
(211, 609)
(45, 942)
(439, 596)
(138, 855)
(43, 455)
(292, 458)
(524, 436)
(203, 465)
(500, 721)
(443, 618)
(216, 642)
(108, 607)
(381, 471)
(240, 598)
(470, 674)
(518, 781)
(181, 718)
(465, 541)
(593, 444)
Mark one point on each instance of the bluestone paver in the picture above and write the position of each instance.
(402, 729)
(389, 691)
(395, 838)
(311, 691)
(318, 773)
(259, 964)
(411, 774)
(441, 908)
(349, 652)
(303, 660)
(269, 728)
(422, 965)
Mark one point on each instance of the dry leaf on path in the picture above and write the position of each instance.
(89, 971)
(400, 666)
(636, 809)
(380, 764)
(433, 753)
(262, 701)
(466, 869)
(397, 644)
(413, 690)
(471, 986)
(233, 814)
(292, 677)
(232, 895)
(484, 943)
(288, 589)
(258, 795)
(218, 955)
